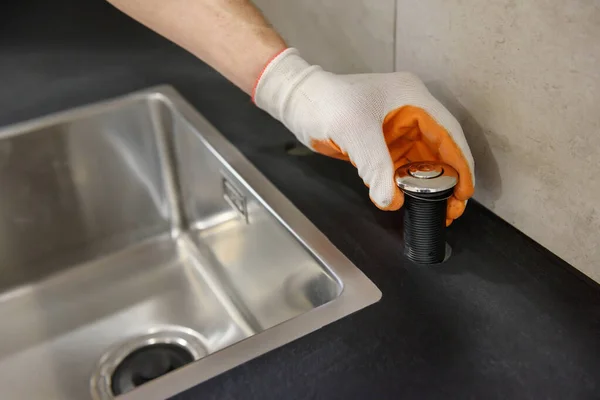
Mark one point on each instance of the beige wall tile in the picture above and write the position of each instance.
(340, 35)
(524, 79)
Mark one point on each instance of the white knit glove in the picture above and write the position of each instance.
(377, 121)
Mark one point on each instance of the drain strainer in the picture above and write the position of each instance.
(144, 358)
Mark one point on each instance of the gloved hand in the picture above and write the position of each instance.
(378, 122)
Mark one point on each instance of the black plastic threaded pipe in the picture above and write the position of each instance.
(426, 185)
(425, 226)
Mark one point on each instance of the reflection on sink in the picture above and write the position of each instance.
(134, 216)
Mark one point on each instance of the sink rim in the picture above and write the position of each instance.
(357, 290)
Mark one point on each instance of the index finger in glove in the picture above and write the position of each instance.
(379, 179)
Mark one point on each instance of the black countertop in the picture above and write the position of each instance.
(504, 318)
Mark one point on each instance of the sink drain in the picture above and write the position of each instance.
(144, 358)
(146, 364)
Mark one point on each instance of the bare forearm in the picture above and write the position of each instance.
(230, 35)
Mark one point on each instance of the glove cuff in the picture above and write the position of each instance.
(278, 81)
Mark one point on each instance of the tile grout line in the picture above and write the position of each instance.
(395, 33)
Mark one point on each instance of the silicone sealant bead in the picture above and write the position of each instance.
(426, 186)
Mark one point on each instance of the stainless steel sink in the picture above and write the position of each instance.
(132, 224)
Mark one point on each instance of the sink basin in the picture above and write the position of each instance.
(141, 254)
